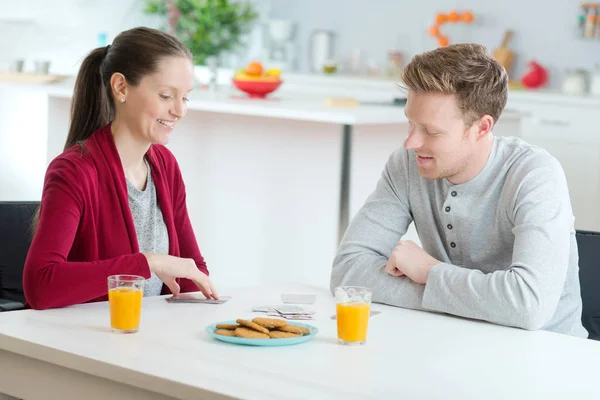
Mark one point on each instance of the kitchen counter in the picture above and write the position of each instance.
(284, 103)
(289, 102)
(320, 85)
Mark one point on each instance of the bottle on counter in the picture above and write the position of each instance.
(395, 64)
(590, 21)
(581, 21)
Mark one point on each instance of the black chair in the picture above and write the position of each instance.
(15, 239)
(589, 277)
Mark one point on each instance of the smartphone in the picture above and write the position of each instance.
(196, 298)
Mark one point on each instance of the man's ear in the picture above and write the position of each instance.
(484, 126)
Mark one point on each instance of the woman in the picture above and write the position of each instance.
(114, 201)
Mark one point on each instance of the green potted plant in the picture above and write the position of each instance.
(206, 27)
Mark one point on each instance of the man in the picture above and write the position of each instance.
(493, 213)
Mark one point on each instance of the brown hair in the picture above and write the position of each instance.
(134, 53)
(467, 71)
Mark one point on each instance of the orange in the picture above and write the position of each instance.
(443, 41)
(467, 17)
(440, 18)
(434, 30)
(453, 16)
(269, 78)
(254, 68)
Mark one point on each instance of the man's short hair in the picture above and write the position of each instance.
(467, 71)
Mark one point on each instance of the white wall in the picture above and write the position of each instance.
(64, 31)
(23, 137)
(544, 30)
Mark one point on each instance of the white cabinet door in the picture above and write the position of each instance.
(570, 133)
(581, 163)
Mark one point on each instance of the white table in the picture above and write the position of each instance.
(70, 354)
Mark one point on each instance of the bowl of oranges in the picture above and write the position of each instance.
(256, 81)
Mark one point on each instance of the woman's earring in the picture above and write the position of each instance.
(122, 99)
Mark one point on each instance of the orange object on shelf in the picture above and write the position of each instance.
(443, 41)
(453, 16)
(467, 17)
(434, 30)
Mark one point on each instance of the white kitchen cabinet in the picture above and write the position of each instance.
(569, 131)
(581, 164)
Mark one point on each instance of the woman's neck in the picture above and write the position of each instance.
(131, 150)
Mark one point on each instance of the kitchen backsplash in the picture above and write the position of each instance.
(543, 31)
(63, 31)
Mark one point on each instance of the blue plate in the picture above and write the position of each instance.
(262, 342)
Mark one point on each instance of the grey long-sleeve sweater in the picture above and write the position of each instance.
(506, 240)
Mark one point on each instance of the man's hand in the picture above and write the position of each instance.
(411, 260)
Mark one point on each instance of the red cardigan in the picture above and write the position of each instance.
(86, 231)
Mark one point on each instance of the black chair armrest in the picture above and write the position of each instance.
(9, 305)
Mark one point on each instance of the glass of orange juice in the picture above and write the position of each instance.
(353, 306)
(125, 294)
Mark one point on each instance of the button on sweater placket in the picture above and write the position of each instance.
(449, 226)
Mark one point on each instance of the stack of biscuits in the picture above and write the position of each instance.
(261, 328)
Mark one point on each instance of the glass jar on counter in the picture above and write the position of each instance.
(575, 82)
(395, 63)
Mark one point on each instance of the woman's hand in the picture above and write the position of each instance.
(168, 268)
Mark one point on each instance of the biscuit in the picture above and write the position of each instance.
(230, 327)
(269, 323)
(250, 334)
(294, 329)
(275, 334)
(252, 325)
(225, 332)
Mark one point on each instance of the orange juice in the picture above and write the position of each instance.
(125, 308)
(353, 321)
